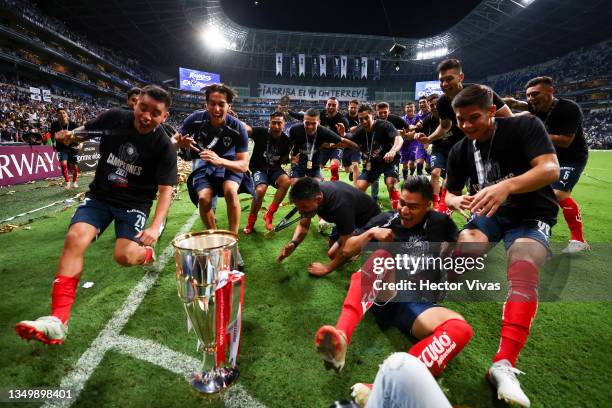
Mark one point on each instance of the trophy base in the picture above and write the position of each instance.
(214, 381)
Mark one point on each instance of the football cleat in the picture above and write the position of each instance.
(331, 344)
(46, 329)
(503, 376)
(574, 247)
(361, 393)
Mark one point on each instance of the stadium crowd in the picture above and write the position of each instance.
(577, 65)
(30, 12)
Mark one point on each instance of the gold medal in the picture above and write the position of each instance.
(309, 164)
(368, 166)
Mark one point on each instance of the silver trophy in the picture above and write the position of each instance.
(211, 291)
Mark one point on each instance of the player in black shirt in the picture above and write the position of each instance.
(307, 139)
(67, 153)
(271, 149)
(509, 164)
(563, 121)
(132, 97)
(335, 202)
(448, 133)
(379, 142)
(352, 157)
(419, 227)
(136, 161)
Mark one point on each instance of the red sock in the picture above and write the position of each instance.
(436, 199)
(352, 309)
(273, 207)
(360, 294)
(334, 172)
(65, 172)
(441, 204)
(148, 255)
(62, 296)
(251, 220)
(394, 196)
(75, 172)
(571, 212)
(447, 340)
(519, 310)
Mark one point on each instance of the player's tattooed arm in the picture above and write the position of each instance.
(516, 104)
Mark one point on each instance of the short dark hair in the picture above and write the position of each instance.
(423, 97)
(354, 101)
(365, 107)
(229, 93)
(134, 91)
(409, 103)
(277, 114)
(433, 96)
(382, 105)
(447, 64)
(157, 93)
(546, 80)
(306, 188)
(479, 95)
(333, 98)
(419, 184)
(312, 112)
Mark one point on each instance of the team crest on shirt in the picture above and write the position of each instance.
(227, 141)
(128, 153)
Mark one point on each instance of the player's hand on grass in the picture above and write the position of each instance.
(211, 157)
(318, 269)
(285, 252)
(148, 236)
(488, 200)
(461, 204)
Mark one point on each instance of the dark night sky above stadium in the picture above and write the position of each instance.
(411, 19)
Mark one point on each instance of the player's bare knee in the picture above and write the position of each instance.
(121, 257)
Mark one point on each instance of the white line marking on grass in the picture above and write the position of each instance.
(75, 380)
(179, 363)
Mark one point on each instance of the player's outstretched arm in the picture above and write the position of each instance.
(516, 104)
(298, 236)
(355, 244)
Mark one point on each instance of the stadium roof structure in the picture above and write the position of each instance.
(496, 36)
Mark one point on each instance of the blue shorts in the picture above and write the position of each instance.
(438, 158)
(570, 174)
(327, 154)
(500, 227)
(400, 314)
(388, 169)
(128, 221)
(204, 179)
(350, 156)
(269, 178)
(300, 170)
(68, 155)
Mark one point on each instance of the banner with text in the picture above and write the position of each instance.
(88, 156)
(21, 164)
(311, 93)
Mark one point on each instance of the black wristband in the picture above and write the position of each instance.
(295, 243)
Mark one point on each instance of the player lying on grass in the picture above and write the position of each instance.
(442, 333)
(137, 160)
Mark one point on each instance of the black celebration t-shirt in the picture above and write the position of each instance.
(268, 151)
(376, 143)
(303, 144)
(131, 165)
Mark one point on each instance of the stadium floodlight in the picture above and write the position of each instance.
(214, 39)
(432, 53)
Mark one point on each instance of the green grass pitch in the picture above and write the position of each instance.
(567, 357)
